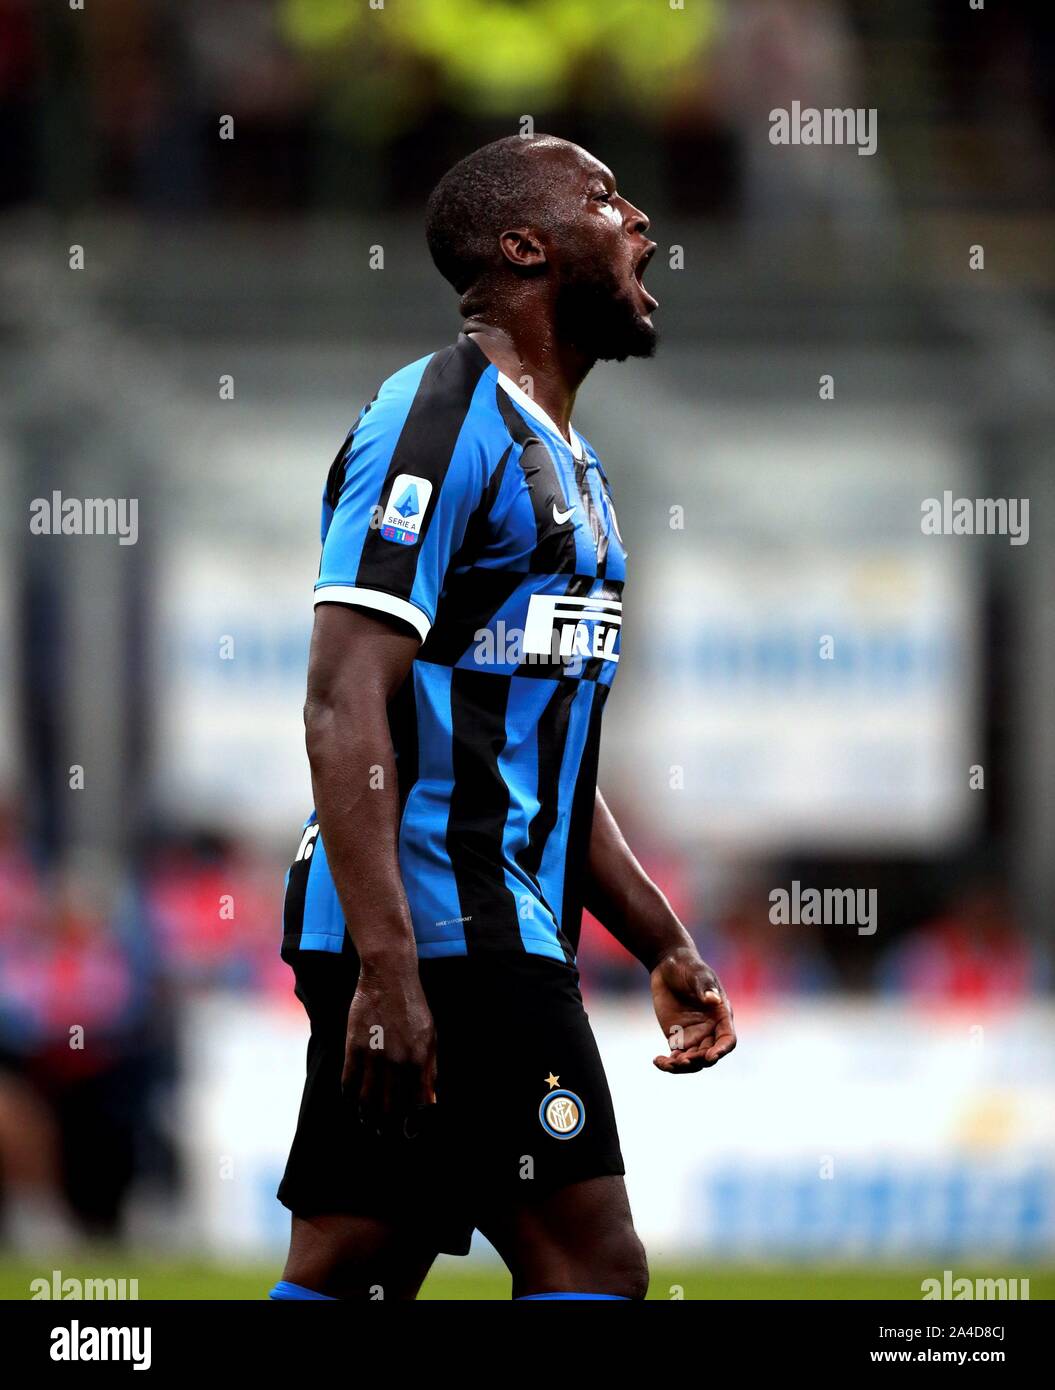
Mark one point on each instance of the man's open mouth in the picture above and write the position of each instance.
(639, 271)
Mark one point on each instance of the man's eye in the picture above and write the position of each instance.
(603, 198)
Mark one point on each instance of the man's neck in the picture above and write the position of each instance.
(549, 373)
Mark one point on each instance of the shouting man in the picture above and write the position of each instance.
(467, 630)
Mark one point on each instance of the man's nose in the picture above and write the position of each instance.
(637, 220)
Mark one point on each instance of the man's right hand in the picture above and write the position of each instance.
(390, 1049)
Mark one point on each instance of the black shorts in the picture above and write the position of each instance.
(522, 1101)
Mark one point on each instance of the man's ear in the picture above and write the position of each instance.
(522, 248)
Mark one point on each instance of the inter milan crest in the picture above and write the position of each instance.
(562, 1113)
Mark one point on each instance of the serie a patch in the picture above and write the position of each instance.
(405, 509)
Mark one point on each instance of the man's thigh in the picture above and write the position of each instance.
(577, 1239)
(356, 1257)
(529, 1124)
(524, 1105)
(353, 1191)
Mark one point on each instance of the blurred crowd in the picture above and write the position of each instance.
(94, 981)
(942, 939)
(94, 992)
(339, 106)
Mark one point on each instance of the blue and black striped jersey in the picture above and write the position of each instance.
(457, 506)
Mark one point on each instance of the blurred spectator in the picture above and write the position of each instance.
(215, 911)
(974, 953)
(758, 961)
(774, 53)
(19, 70)
(74, 1058)
(20, 883)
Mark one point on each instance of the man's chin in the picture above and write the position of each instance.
(642, 342)
(604, 327)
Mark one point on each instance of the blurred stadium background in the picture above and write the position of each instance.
(889, 1111)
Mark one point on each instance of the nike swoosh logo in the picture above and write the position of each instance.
(561, 517)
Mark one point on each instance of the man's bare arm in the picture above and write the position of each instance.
(624, 899)
(690, 1003)
(357, 664)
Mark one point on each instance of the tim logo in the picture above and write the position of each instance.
(587, 627)
(405, 509)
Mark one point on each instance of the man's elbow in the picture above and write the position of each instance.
(338, 727)
(319, 718)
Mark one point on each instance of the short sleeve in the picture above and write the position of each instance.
(396, 509)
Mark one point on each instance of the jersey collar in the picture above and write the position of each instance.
(526, 403)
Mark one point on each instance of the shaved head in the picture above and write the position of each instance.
(502, 185)
(533, 227)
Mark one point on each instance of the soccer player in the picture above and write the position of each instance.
(467, 625)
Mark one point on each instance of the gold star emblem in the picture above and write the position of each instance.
(552, 1081)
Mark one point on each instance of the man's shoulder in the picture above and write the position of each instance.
(446, 371)
(447, 393)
